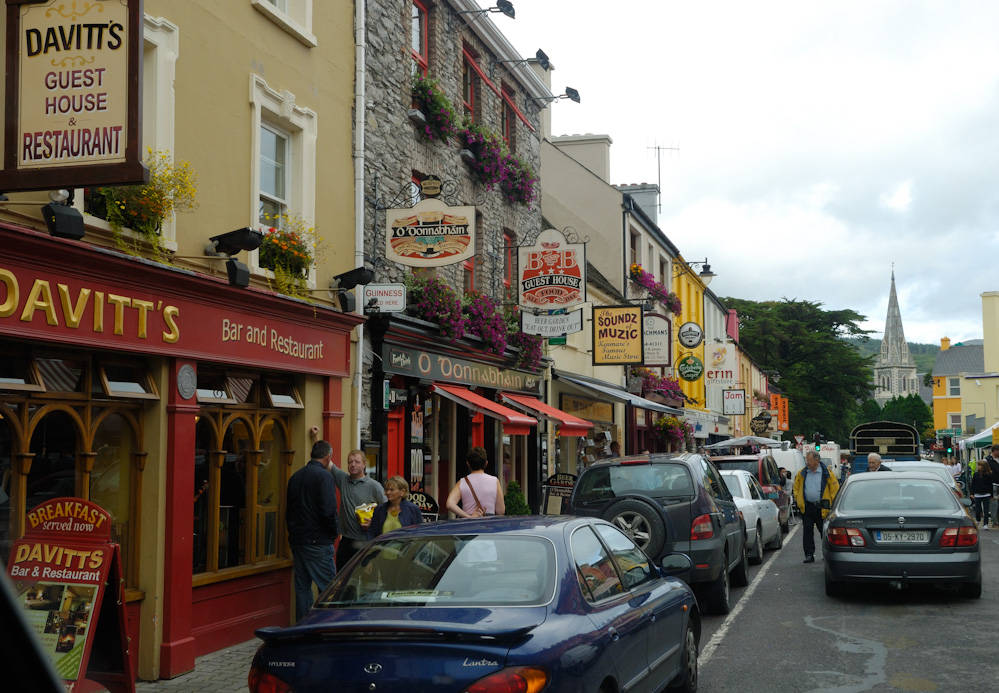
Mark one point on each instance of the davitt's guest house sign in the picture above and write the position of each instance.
(552, 273)
(72, 94)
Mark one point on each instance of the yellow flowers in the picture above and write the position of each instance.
(289, 250)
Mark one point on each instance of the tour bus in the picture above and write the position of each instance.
(890, 439)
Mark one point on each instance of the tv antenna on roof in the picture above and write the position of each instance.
(659, 166)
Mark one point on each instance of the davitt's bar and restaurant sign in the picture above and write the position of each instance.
(72, 94)
(617, 335)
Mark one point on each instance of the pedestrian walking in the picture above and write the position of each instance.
(359, 495)
(479, 493)
(811, 485)
(396, 512)
(981, 491)
(312, 525)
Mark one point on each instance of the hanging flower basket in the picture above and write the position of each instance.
(653, 383)
(656, 291)
(439, 122)
(673, 432)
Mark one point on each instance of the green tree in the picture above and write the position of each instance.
(911, 410)
(823, 376)
(870, 410)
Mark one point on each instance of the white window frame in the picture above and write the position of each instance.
(161, 48)
(277, 109)
(282, 202)
(954, 420)
(295, 17)
(952, 385)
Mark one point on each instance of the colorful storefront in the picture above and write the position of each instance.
(177, 403)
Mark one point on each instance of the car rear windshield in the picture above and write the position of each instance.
(659, 480)
(893, 494)
(751, 466)
(450, 570)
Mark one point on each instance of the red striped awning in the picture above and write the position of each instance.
(514, 423)
(568, 425)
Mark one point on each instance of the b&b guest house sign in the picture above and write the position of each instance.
(553, 272)
(72, 94)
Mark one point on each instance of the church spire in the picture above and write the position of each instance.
(894, 349)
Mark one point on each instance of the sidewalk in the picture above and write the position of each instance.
(224, 671)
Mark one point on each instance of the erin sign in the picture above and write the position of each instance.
(553, 272)
(73, 101)
(431, 234)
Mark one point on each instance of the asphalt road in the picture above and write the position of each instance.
(784, 634)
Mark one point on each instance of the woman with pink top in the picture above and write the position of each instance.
(480, 493)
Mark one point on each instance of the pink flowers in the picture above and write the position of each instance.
(670, 429)
(657, 292)
(494, 166)
(437, 109)
(663, 385)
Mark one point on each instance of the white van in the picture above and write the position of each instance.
(792, 460)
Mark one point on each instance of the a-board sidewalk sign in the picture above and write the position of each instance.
(67, 577)
(555, 493)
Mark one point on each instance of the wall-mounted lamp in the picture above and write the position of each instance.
(681, 267)
(234, 241)
(539, 57)
(570, 94)
(341, 284)
(61, 218)
(503, 6)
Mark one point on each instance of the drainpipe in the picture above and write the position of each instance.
(359, 109)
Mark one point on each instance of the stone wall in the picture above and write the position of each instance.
(396, 152)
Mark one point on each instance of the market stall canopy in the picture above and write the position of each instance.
(568, 425)
(514, 423)
(979, 440)
(744, 441)
(617, 394)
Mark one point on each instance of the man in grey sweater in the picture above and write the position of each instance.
(356, 489)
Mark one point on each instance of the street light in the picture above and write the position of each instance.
(681, 267)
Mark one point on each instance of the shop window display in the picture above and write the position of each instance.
(110, 477)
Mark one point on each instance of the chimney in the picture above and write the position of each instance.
(732, 325)
(944, 343)
(646, 196)
(592, 151)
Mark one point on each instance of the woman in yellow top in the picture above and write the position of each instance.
(396, 512)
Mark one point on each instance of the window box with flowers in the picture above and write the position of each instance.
(432, 111)
(653, 383)
(289, 251)
(674, 432)
(137, 212)
(494, 167)
(655, 290)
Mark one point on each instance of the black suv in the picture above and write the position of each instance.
(672, 503)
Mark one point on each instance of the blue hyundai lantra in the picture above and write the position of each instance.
(525, 604)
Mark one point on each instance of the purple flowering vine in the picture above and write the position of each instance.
(495, 167)
(652, 382)
(657, 292)
(428, 96)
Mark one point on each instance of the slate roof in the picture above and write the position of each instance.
(962, 358)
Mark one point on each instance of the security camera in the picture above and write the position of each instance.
(348, 280)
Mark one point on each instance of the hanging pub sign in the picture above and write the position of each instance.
(552, 272)
(552, 324)
(733, 402)
(73, 94)
(67, 578)
(690, 335)
(690, 368)
(657, 340)
(617, 335)
(555, 493)
(431, 234)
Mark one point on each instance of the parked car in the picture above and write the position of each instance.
(899, 529)
(667, 503)
(760, 513)
(524, 603)
(765, 469)
(936, 468)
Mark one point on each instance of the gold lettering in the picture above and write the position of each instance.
(40, 297)
(143, 307)
(171, 335)
(9, 306)
(22, 553)
(119, 303)
(96, 559)
(73, 314)
(98, 311)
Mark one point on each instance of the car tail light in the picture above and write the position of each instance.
(959, 536)
(512, 680)
(263, 682)
(701, 528)
(845, 536)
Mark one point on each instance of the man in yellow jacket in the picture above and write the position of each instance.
(813, 483)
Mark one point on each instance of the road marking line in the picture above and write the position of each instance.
(719, 635)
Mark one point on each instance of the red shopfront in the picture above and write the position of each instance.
(177, 403)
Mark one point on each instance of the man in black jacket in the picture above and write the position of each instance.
(312, 525)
